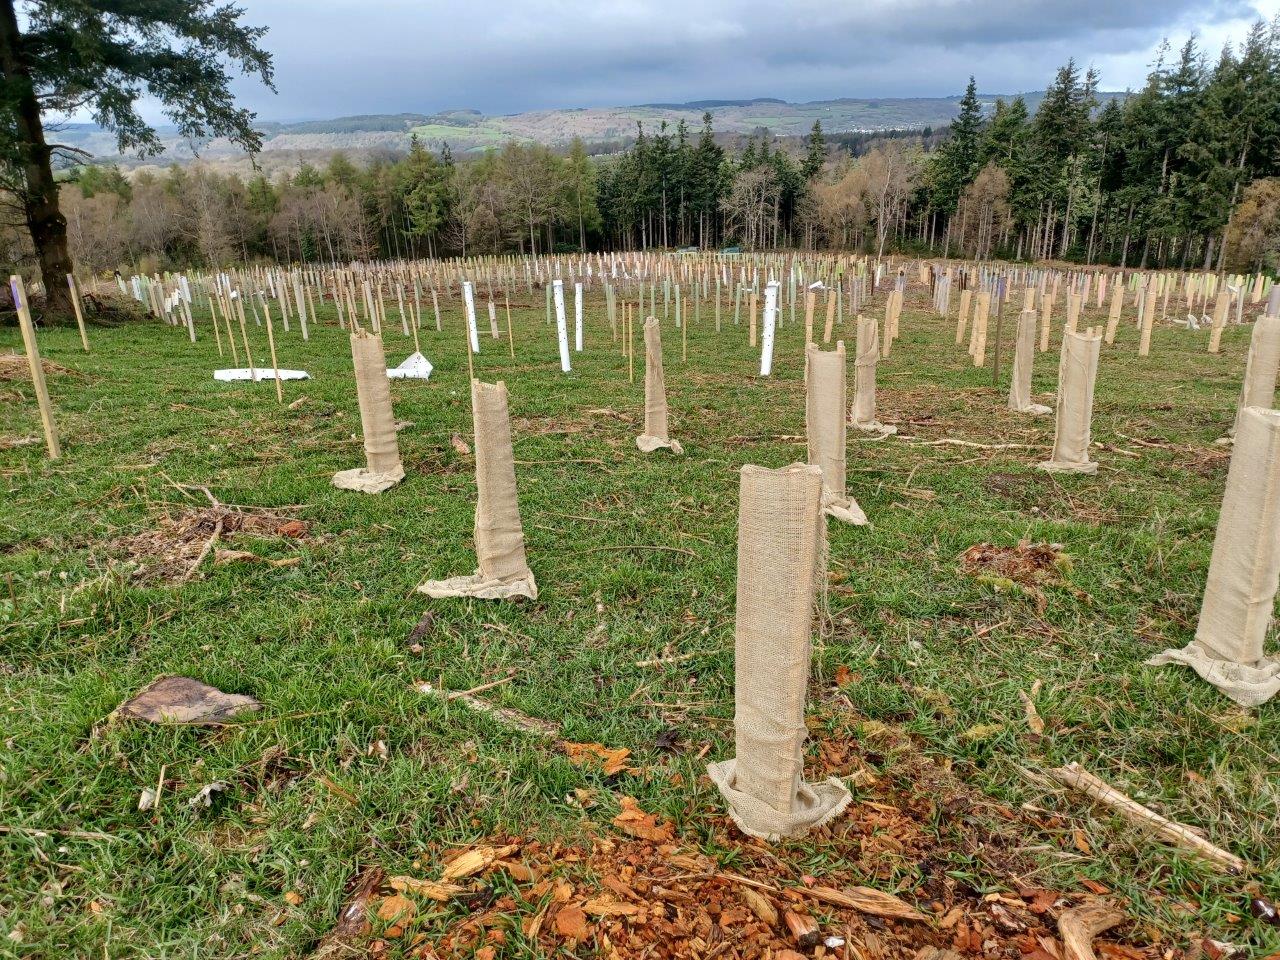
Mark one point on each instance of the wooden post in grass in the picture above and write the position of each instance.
(271, 344)
(36, 365)
(751, 319)
(995, 365)
(466, 340)
(631, 345)
(244, 335)
(511, 343)
(810, 300)
(831, 315)
(231, 335)
(75, 302)
(217, 334)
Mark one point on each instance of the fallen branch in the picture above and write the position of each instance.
(863, 899)
(1146, 443)
(503, 715)
(667, 661)
(52, 831)
(204, 552)
(641, 546)
(1112, 448)
(1074, 776)
(953, 442)
(459, 694)
(1078, 927)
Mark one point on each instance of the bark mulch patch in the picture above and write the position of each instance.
(875, 884)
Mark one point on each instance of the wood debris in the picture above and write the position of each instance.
(1076, 777)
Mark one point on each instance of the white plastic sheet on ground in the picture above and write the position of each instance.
(414, 367)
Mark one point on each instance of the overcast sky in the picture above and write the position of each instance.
(340, 57)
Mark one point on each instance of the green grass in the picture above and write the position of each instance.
(477, 137)
(323, 644)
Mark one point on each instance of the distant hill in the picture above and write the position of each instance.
(471, 131)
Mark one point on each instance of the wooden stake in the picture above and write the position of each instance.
(37, 366)
(217, 335)
(75, 302)
(511, 343)
(466, 340)
(271, 343)
(684, 332)
(810, 299)
(244, 335)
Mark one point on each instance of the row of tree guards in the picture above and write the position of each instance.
(781, 532)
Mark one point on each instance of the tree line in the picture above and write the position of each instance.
(1181, 173)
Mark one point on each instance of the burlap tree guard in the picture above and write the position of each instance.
(655, 436)
(1261, 366)
(383, 469)
(863, 413)
(825, 426)
(1244, 571)
(1023, 361)
(1077, 371)
(780, 537)
(504, 571)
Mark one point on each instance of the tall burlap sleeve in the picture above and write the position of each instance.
(655, 436)
(1244, 571)
(1077, 371)
(373, 390)
(780, 537)
(504, 570)
(825, 429)
(1023, 361)
(863, 413)
(1261, 366)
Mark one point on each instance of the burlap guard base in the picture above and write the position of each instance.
(825, 428)
(780, 538)
(1261, 365)
(504, 570)
(1023, 360)
(383, 468)
(863, 413)
(1244, 571)
(1077, 371)
(656, 434)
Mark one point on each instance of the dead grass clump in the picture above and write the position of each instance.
(167, 553)
(14, 366)
(1027, 565)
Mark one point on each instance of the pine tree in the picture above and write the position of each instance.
(815, 151)
(98, 56)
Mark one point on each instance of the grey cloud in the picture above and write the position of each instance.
(339, 57)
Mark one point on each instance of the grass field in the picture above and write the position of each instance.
(347, 764)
